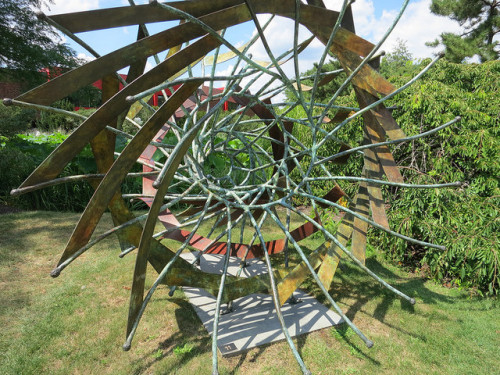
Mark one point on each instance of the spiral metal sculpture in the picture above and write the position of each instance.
(256, 141)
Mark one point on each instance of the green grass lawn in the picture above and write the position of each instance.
(75, 324)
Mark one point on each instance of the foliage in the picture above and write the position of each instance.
(14, 167)
(51, 121)
(466, 219)
(21, 154)
(326, 90)
(183, 349)
(467, 224)
(399, 62)
(15, 120)
(481, 22)
(467, 151)
(28, 45)
(87, 97)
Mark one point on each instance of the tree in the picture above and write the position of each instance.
(28, 45)
(481, 22)
(398, 62)
(464, 219)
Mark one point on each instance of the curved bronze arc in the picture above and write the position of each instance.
(317, 20)
(111, 182)
(60, 157)
(100, 19)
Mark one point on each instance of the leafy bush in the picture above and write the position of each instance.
(51, 122)
(15, 120)
(466, 223)
(15, 166)
(465, 220)
(21, 154)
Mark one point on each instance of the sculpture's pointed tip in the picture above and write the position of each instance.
(55, 272)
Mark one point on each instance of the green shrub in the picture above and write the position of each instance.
(22, 154)
(15, 166)
(15, 120)
(28, 151)
(464, 220)
(51, 122)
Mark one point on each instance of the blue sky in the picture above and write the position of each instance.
(372, 18)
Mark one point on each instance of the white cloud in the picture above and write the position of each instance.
(279, 35)
(149, 65)
(85, 57)
(418, 26)
(68, 6)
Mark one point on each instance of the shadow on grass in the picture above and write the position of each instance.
(343, 332)
(20, 233)
(358, 291)
(191, 331)
(352, 287)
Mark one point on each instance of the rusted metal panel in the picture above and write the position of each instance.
(333, 195)
(103, 147)
(293, 279)
(125, 16)
(360, 227)
(381, 115)
(144, 136)
(82, 76)
(367, 78)
(111, 183)
(57, 160)
(314, 18)
(377, 204)
(334, 253)
(376, 134)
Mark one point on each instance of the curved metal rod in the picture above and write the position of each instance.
(220, 294)
(160, 278)
(393, 142)
(57, 271)
(276, 299)
(354, 259)
(368, 342)
(366, 59)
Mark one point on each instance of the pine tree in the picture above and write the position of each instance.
(28, 45)
(481, 22)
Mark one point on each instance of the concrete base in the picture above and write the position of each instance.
(253, 320)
